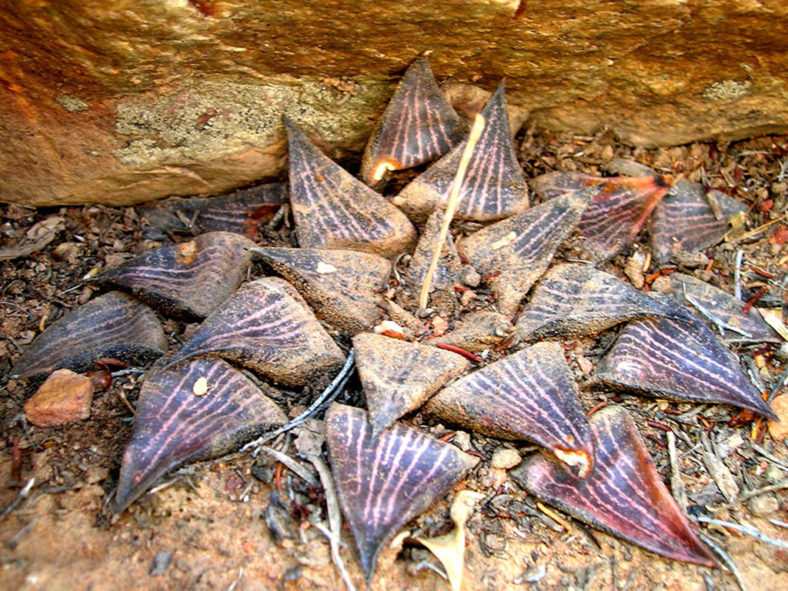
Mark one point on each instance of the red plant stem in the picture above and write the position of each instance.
(659, 426)
(459, 351)
(753, 300)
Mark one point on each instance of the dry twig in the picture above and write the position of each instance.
(451, 206)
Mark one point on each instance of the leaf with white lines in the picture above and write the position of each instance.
(187, 280)
(343, 287)
(267, 327)
(333, 209)
(448, 272)
(681, 360)
(529, 395)
(619, 207)
(114, 326)
(623, 495)
(686, 222)
(385, 482)
(618, 212)
(558, 184)
(577, 300)
(738, 327)
(196, 410)
(398, 376)
(493, 188)
(417, 126)
(517, 251)
(241, 212)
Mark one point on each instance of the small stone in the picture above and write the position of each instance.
(200, 387)
(505, 458)
(782, 352)
(462, 439)
(467, 297)
(96, 474)
(160, 564)
(763, 505)
(662, 284)
(773, 474)
(471, 276)
(492, 478)
(65, 397)
(634, 269)
(67, 251)
(779, 431)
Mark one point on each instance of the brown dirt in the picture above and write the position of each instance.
(211, 519)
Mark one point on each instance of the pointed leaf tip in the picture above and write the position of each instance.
(342, 286)
(187, 280)
(618, 212)
(267, 327)
(686, 221)
(529, 395)
(332, 209)
(577, 300)
(398, 376)
(520, 249)
(383, 483)
(493, 188)
(623, 495)
(417, 126)
(113, 325)
(682, 360)
(199, 409)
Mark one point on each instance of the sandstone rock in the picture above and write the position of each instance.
(763, 506)
(64, 398)
(185, 97)
(779, 431)
(505, 458)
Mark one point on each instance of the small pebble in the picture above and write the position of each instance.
(471, 277)
(763, 505)
(462, 440)
(773, 474)
(65, 397)
(779, 431)
(662, 284)
(782, 352)
(467, 297)
(505, 458)
(634, 269)
(160, 564)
